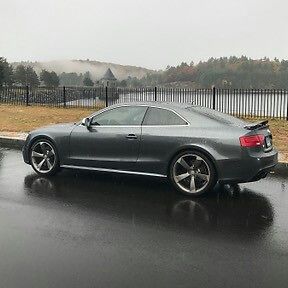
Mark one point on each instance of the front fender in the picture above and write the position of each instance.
(61, 143)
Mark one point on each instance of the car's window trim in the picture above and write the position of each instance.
(139, 105)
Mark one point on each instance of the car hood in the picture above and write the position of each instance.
(67, 127)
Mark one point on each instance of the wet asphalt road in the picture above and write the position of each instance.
(82, 229)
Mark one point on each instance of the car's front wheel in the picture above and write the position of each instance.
(44, 158)
(192, 173)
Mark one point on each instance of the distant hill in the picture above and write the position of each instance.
(96, 68)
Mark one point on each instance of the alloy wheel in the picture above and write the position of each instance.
(43, 157)
(191, 173)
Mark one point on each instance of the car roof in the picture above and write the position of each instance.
(158, 104)
(190, 112)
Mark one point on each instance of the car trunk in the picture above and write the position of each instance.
(254, 128)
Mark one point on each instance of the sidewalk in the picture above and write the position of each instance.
(13, 135)
(12, 139)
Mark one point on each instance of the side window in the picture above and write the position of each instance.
(158, 116)
(121, 116)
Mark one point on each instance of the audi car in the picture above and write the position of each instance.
(194, 147)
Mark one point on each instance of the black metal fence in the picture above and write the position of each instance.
(266, 103)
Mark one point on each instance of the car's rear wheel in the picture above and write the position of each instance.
(44, 158)
(192, 173)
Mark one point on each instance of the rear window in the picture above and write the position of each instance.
(217, 116)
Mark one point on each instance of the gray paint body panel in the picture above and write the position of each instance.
(105, 147)
(213, 133)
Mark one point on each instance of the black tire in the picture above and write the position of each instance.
(207, 166)
(56, 164)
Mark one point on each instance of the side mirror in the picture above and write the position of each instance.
(86, 122)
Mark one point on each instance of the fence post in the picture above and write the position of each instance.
(214, 97)
(64, 96)
(106, 96)
(287, 108)
(27, 95)
(155, 93)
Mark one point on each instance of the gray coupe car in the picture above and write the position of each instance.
(193, 146)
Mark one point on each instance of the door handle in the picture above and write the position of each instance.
(131, 136)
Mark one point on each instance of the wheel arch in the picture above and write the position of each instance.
(194, 148)
(38, 137)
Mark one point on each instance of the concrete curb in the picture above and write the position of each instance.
(283, 165)
(18, 143)
(11, 142)
(281, 170)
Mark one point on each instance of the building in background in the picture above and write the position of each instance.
(108, 79)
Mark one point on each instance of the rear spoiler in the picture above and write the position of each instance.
(255, 126)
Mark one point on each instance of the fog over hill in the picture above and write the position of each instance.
(96, 68)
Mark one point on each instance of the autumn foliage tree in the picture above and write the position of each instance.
(224, 72)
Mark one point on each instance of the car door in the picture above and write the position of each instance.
(162, 133)
(112, 141)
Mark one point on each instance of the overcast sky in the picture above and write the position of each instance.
(148, 33)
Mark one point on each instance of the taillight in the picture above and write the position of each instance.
(252, 140)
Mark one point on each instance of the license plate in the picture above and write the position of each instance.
(268, 142)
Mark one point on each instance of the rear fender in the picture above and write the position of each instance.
(207, 151)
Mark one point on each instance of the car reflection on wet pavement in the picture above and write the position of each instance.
(156, 204)
(85, 229)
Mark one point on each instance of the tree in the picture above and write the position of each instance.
(50, 79)
(122, 83)
(6, 73)
(54, 79)
(20, 75)
(26, 76)
(71, 79)
(88, 82)
(87, 79)
(223, 72)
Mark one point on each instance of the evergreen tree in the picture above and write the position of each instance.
(87, 79)
(6, 73)
(70, 79)
(88, 82)
(50, 79)
(26, 76)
